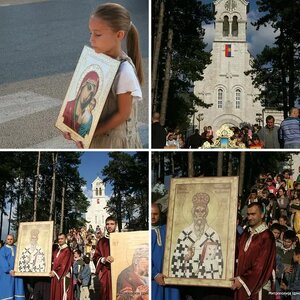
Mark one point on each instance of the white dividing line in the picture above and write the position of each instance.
(22, 104)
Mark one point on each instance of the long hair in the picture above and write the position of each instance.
(118, 18)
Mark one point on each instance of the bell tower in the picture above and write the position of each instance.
(231, 20)
(98, 188)
(225, 84)
(97, 212)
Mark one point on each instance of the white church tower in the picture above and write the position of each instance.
(225, 85)
(97, 213)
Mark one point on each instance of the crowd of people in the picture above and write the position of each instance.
(287, 135)
(267, 244)
(79, 259)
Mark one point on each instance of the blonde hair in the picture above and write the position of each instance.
(118, 18)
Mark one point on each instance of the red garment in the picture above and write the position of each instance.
(255, 266)
(103, 250)
(69, 117)
(61, 283)
(131, 286)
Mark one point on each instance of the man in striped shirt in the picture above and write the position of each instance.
(289, 131)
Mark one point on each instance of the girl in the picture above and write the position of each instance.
(109, 25)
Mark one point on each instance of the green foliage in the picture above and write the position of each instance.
(128, 175)
(17, 179)
(205, 164)
(188, 57)
(276, 69)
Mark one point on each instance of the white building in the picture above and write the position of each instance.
(225, 85)
(97, 213)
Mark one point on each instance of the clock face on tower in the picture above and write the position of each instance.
(230, 5)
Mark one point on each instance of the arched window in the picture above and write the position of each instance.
(225, 26)
(235, 26)
(238, 99)
(100, 192)
(220, 98)
(96, 191)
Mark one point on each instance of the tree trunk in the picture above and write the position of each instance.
(155, 166)
(291, 66)
(167, 75)
(172, 163)
(155, 57)
(220, 164)
(145, 211)
(36, 187)
(9, 220)
(282, 64)
(161, 173)
(119, 211)
(54, 161)
(242, 172)
(62, 214)
(2, 213)
(190, 164)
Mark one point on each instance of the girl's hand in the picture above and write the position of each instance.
(79, 145)
(99, 131)
(67, 135)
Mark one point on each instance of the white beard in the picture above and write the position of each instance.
(199, 228)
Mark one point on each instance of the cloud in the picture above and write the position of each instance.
(88, 193)
(258, 39)
(209, 35)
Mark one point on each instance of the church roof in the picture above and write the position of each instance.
(97, 180)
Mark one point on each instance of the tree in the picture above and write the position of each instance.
(128, 175)
(18, 175)
(276, 70)
(175, 65)
(36, 186)
(156, 49)
(247, 165)
(52, 202)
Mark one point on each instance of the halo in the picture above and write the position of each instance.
(187, 206)
(130, 252)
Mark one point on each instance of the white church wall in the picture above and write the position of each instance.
(227, 73)
(97, 212)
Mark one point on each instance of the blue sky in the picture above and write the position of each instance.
(92, 164)
(256, 39)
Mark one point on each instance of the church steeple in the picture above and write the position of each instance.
(98, 188)
(230, 20)
(225, 84)
(97, 212)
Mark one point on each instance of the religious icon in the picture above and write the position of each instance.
(34, 249)
(86, 95)
(130, 269)
(200, 242)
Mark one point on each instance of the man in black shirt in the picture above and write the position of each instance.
(158, 132)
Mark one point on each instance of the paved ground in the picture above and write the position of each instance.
(39, 53)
